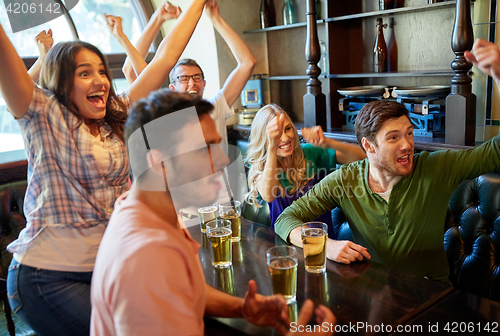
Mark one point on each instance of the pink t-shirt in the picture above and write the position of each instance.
(147, 278)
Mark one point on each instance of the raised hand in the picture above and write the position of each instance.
(44, 42)
(275, 130)
(314, 135)
(212, 8)
(486, 56)
(265, 310)
(114, 25)
(167, 11)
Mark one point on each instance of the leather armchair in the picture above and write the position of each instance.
(12, 221)
(472, 238)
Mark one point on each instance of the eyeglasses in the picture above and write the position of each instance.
(184, 79)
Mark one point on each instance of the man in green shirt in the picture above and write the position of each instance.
(396, 201)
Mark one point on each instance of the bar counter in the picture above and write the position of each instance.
(374, 298)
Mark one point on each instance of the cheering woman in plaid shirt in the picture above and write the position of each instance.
(77, 166)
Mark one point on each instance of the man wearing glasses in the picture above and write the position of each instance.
(187, 76)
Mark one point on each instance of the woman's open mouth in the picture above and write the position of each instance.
(97, 99)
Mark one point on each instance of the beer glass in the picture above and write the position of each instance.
(282, 263)
(232, 212)
(206, 214)
(314, 236)
(219, 233)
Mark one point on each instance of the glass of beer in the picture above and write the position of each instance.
(314, 236)
(232, 211)
(282, 263)
(206, 214)
(219, 233)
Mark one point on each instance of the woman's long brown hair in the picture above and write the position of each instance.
(58, 73)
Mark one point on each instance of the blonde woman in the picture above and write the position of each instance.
(282, 170)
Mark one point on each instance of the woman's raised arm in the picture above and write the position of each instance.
(268, 183)
(169, 51)
(16, 85)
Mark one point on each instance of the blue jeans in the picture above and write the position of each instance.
(50, 302)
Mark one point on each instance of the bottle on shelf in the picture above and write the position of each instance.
(392, 49)
(324, 56)
(272, 14)
(288, 13)
(385, 4)
(264, 14)
(380, 49)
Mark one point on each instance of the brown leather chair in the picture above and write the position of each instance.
(472, 240)
(12, 221)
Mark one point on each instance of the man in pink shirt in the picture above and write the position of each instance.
(148, 279)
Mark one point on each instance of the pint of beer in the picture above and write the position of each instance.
(232, 212)
(219, 233)
(206, 214)
(282, 263)
(314, 236)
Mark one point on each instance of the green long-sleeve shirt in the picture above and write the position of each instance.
(408, 231)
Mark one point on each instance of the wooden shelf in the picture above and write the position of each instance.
(434, 73)
(281, 27)
(401, 10)
(360, 15)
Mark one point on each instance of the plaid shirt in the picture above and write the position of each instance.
(65, 185)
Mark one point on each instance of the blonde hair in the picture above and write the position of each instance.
(257, 154)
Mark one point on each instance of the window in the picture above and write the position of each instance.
(89, 22)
